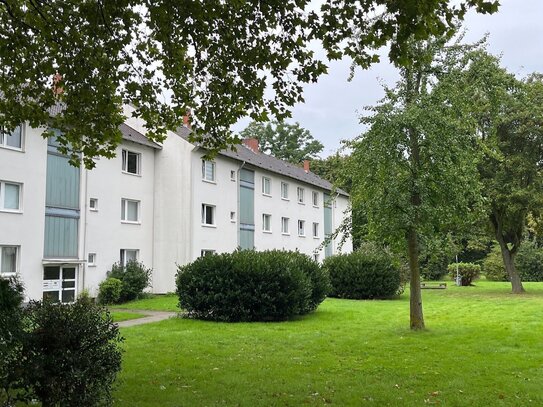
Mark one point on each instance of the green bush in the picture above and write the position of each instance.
(251, 286)
(467, 271)
(72, 353)
(135, 278)
(529, 262)
(369, 273)
(109, 291)
(493, 267)
(11, 337)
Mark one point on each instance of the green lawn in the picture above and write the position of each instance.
(119, 316)
(483, 347)
(167, 302)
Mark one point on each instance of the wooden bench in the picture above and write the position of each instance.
(433, 286)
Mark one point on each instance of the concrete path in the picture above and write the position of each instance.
(151, 316)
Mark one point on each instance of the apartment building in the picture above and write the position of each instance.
(61, 227)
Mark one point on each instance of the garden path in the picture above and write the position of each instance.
(150, 316)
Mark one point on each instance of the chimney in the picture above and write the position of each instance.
(186, 119)
(306, 165)
(57, 89)
(251, 144)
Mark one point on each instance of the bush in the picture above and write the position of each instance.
(467, 271)
(251, 286)
(73, 353)
(109, 291)
(369, 273)
(493, 267)
(11, 337)
(529, 262)
(135, 278)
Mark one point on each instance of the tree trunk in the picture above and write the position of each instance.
(415, 296)
(509, 262)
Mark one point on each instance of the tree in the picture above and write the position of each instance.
(71, 65)
(289, 142)
(509, 117)
(415, 167)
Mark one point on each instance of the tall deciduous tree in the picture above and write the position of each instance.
(416, 172)
(289, 142)
(214, 57)
(509, 117)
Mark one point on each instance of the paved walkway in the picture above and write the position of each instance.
(151, 316)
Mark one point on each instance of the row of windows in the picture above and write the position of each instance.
(209, 175)
(130, 209)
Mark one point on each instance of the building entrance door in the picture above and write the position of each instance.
(59, 283)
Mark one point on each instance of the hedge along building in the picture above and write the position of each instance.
(61, 228)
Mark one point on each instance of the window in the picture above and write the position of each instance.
(315, 229)
(266, 222)
(315, 199)
(301, 228)
(10, 196)
(266, 186)
(232, 175)
(128, 255)
(131, 162)
(12, 139)
(59, 283)
(284, 190)
(8, 260)
(130, 211)
(207, 252)
(232, 216)
(91, 259)
(316, 256)
(208, 215)
(300, 193)
(284, 226)
(93, 204)
(208, 170)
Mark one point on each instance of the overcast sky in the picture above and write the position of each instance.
(331, 106)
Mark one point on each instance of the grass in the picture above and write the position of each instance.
(483, 346)
(119, 316)
(166, 302)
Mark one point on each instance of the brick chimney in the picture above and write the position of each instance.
(251, 144)
(186, 119)
(306, 165)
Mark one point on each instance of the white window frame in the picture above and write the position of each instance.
(268, 217)
(301, 228)
(124, 205)
(233, 175)
(213, 165)
(207, 252)
(91, 259)
(58, 284)
(3, 197)
(3, 139)
(124, 160)
(300, 194)
(285, 226)
(316, 257)
(123, 260)
(232, 216)
(94, 207)
(17, 256)
(266, 181)
(316, 230)
(315, 199)
(284, 191)
(213, 215)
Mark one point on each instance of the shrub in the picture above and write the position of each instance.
(367, 273)
(493, 267)
(73, 353)
(11, 336)
(467, 271)
(529, 262)
(109, 291)
(251, 286)
(135, 278)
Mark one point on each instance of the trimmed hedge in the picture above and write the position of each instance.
(467, 271)
(251, 286)
(109, 291)
(135, 278)
(369, 273)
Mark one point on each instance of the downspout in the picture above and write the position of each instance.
(238, 184)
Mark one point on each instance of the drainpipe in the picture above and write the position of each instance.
(238, 232)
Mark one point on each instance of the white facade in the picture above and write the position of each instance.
(155, 203)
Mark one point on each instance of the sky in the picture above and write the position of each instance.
(333, 105)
